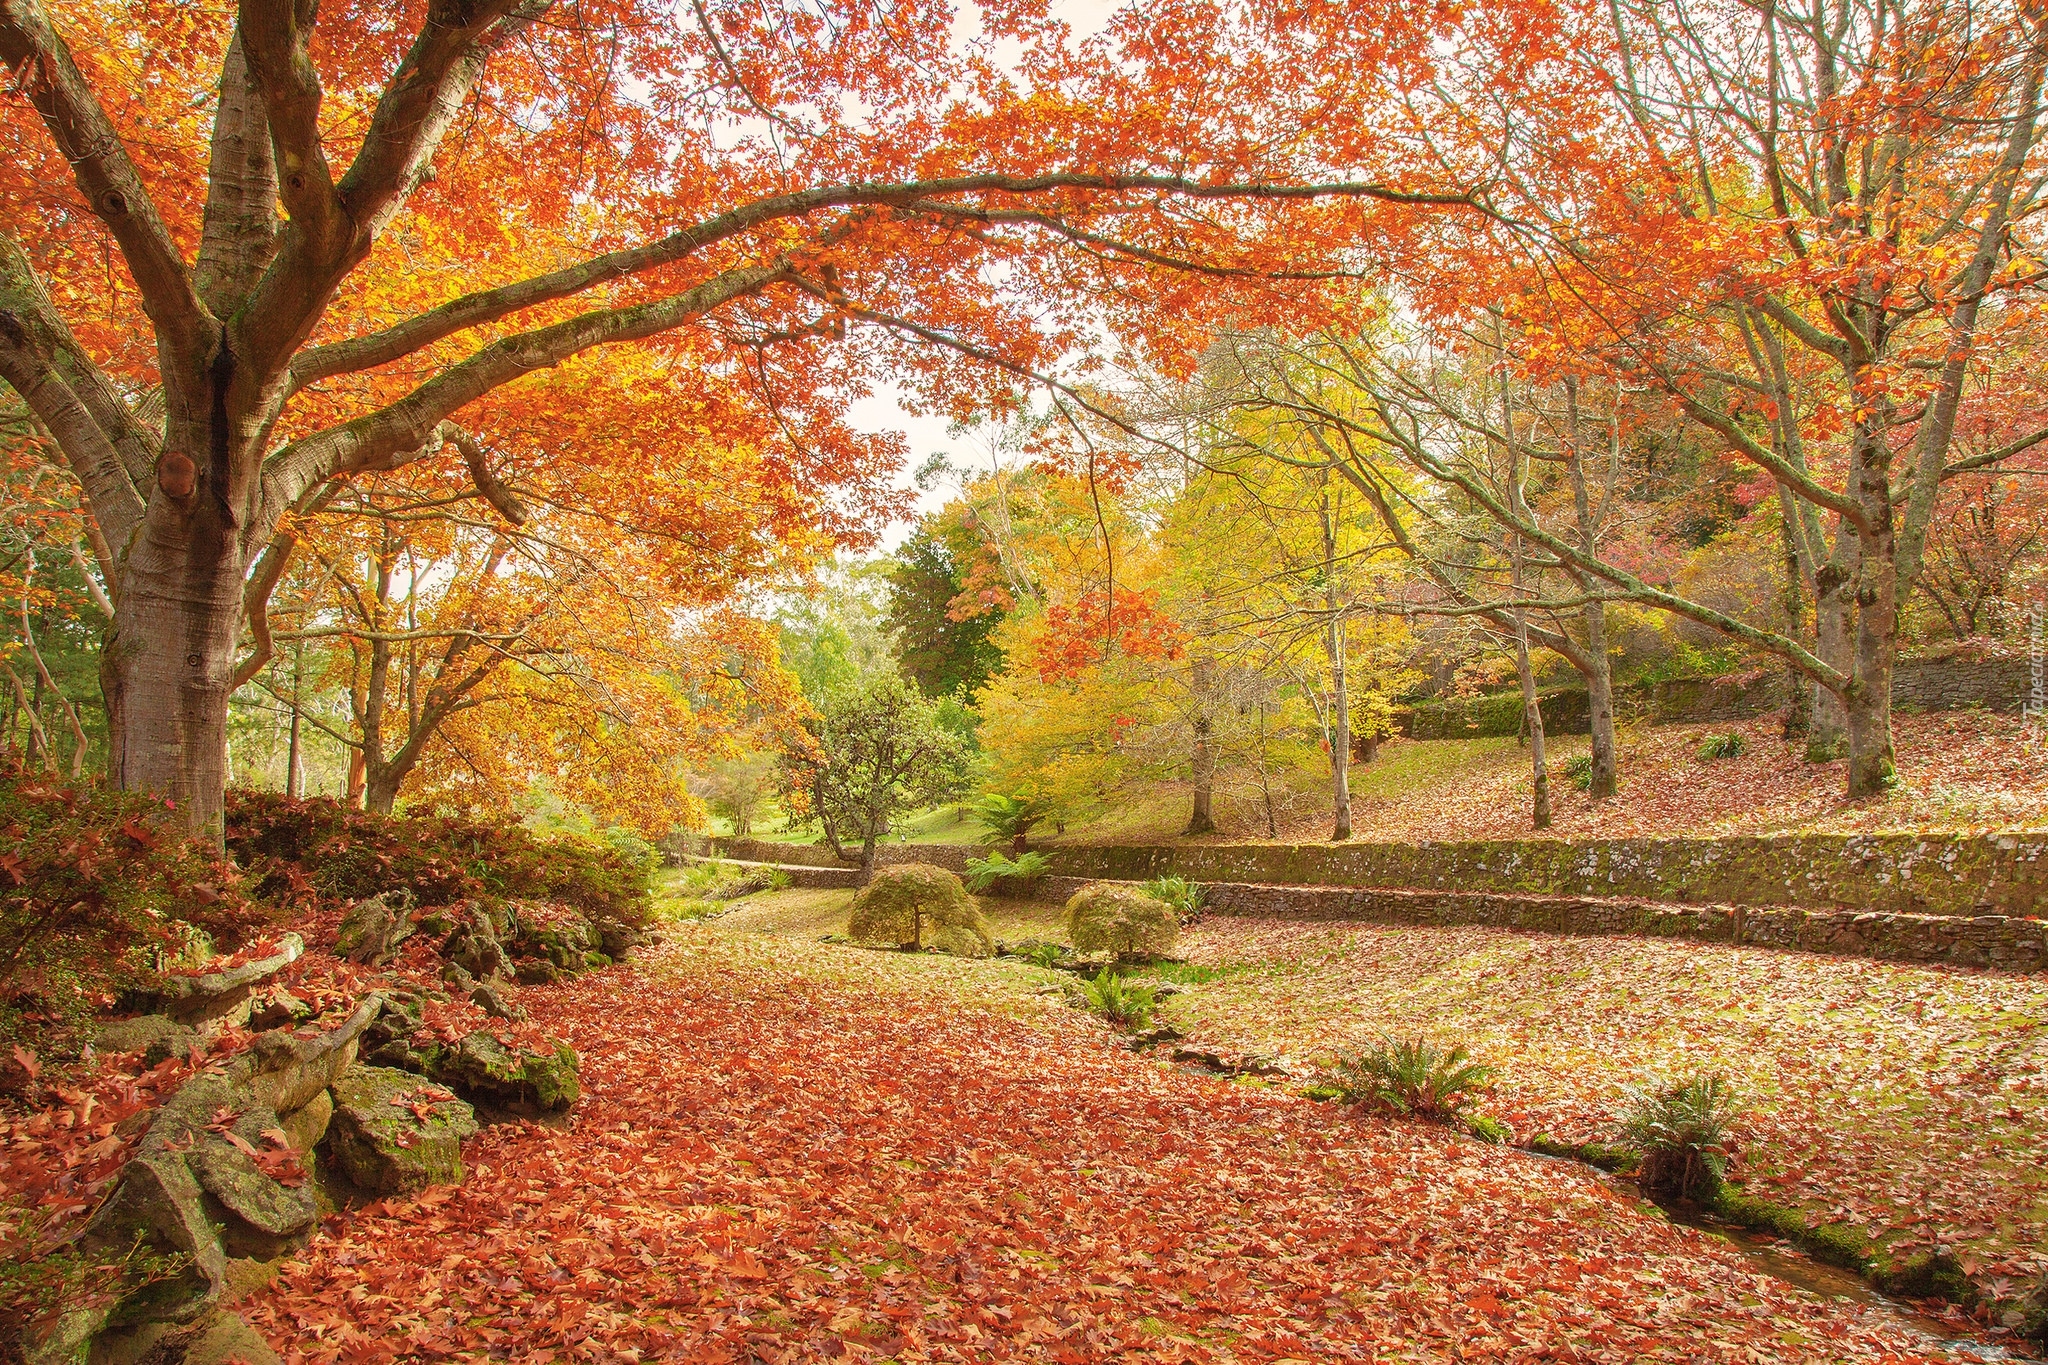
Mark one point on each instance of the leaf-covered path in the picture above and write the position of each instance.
(785, 1157)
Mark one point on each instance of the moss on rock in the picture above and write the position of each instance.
(917, 905)
(1107, 917)
(393, 1133)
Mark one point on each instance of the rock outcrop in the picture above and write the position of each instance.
(394, 1132)
(373, 929)
(212, 999)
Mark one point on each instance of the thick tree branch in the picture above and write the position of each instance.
(240, 232)
(46, 74)
(399, 434)
(489, 305)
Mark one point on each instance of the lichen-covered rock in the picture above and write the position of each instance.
(372, 929)
(259, 1216)
(307, 1124)
(489, 1074)
(393, 1133)
(492, 1000)
(555, 934)
(208, 999)
(287, 1069)
(474, 945)
(158, 1037)
(1108, 917)
(157, 1200)
(917, 905)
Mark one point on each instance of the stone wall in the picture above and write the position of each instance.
(1895, 873)
(952, 857)
(2006, 942)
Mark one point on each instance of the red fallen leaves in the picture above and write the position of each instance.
(56, 1162)
(1910, 1101)
(783, 1169)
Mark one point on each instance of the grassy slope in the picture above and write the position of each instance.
(1958, 770)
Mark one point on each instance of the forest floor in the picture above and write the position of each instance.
(791, 1151)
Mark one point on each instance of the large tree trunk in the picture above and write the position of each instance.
(169, 663)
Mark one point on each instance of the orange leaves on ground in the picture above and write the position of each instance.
(771, 1167)
(1910, 1101)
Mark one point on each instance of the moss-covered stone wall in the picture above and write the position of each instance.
(1918, 874)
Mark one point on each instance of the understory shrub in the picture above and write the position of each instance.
(1729, 745)
(1126, 1003)
(1183, 895)
(1682, 1132)
(1414, 1078)
(1016, 874)
(319, 847)
(1107, 917)
(99, 892)
(917, 905)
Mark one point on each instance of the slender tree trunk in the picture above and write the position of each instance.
(1340, 688)
(294, 780)
(1599, 674)
(1532, 717)
(1799, 689)
(1872, 759)
(867, 859)
(1834, 624)
(1202, 820)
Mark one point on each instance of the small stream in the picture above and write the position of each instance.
(1783, 1261)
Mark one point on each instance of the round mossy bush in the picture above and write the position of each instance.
(916, 905)
(1108, 917)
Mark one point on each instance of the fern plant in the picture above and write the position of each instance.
(1008, 819)
(1682, 1132)
(1578, 770)
(1413, 1077)
(1183, 895)
(982, 873)
(1120, 1000)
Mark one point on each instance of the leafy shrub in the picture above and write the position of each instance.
(1682, 1133)
(1183, 895)
(1578, 770)
(917, 905)
(99, 890)
(1729, 745)
(983, 873)
(1120, 1000)
(320, 848)
(1113, 918)
(1414, 1078)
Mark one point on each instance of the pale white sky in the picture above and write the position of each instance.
(884, 410)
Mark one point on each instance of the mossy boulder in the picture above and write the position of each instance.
(393, 1133)
(917, 905)
(487, 1072)
(1109, 917)
(374, 927)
